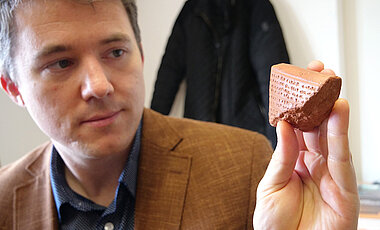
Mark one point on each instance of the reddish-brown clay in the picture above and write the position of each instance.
(303, 98)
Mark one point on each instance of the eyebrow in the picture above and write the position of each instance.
(118, 37)
(52, 49)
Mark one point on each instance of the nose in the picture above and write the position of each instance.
(96, 83)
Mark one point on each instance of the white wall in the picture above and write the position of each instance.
(342, 33)
(311, 31)
(18, 133)
(364, 39)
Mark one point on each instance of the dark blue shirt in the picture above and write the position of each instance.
(78, 212)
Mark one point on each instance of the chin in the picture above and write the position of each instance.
(102, 149)
(108, 150)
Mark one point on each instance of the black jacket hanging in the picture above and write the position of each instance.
(224, 50)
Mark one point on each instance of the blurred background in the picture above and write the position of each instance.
(344, 34)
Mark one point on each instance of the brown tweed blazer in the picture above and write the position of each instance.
(192, 175)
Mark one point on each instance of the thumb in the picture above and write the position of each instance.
(284, 158)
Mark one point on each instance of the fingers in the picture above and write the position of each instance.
(328, 72)
(284, 158)
(319, 67)
(323, 138)
(316, 65)
(339, 158)
(312, 141)
(301, 141)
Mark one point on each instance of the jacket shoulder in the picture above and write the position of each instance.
(27, 167)
(15, 176)
(220, 133)
(202, 133)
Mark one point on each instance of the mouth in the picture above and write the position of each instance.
(102, 120)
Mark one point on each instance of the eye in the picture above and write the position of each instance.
(117, 53)
(64, 63)
(61, 64)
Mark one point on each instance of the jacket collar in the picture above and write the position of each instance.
(218, 14)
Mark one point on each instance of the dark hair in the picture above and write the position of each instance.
(7, 8)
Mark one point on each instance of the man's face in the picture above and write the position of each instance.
(79, 73)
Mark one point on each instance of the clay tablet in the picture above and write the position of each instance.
(303, 98)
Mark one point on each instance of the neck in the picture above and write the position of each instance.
(96, 179)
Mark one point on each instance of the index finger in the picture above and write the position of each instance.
(339, 157)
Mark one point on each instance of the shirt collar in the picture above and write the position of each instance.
(129, 175)
(62, 193)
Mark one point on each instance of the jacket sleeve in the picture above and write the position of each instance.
(267, 48)
(172, 68)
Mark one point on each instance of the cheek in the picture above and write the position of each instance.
(46, 108)
(130, 84)
(139, 83)
(138, 91)
(47, 98)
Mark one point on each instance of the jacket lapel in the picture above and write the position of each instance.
(38, 212)
(162, 178)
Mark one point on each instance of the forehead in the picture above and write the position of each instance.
(64, 10)
(42, 20)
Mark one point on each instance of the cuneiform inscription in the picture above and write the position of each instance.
(288, 92)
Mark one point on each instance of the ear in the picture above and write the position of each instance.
(11, 89)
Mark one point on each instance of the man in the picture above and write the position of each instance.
(77, 68)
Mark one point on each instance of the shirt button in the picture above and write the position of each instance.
(108, 226)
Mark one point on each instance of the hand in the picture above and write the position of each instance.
(310, 182)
